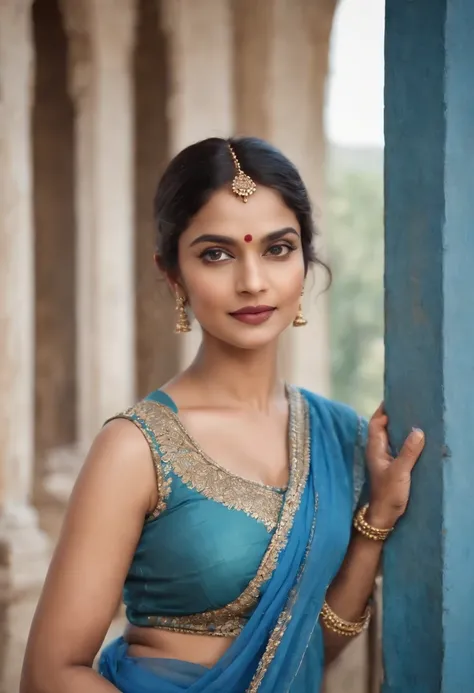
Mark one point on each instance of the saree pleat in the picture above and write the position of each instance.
(281, 646)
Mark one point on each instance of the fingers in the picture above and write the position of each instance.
(380, 411)
(377, 435)
(379, 419)
(377, 443)
(411, 450)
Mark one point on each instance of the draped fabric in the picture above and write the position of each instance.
(281, 646)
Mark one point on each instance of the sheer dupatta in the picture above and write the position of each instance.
(280, 648)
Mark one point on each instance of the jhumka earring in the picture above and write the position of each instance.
(242, 185)
(182, 322)
(300, 320)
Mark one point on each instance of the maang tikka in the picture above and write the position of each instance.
(242, 185)
(182, 322)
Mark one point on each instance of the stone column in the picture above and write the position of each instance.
(429, 281)
(75, 16)
(101, 44)
(23, 548)
(200, 105)
(54, 221)
(157, 345)
(281, 63)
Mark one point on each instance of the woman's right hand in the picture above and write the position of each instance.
(390, 478)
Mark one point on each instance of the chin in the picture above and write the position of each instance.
(250, 338)
(251, 345)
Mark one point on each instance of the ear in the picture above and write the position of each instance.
(159, 263)
(172, 278)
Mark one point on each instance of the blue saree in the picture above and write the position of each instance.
(280, 647)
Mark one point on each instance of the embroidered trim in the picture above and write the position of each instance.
(147, 425)
(284, 618)
(182, 456)
(221, 627)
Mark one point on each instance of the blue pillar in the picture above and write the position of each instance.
(429, 226)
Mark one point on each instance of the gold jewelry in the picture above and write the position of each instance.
(346, 628)
(367, 530)
(300, 320)
(182, 323)
(242, 185)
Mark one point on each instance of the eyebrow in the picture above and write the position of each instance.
(227, 240)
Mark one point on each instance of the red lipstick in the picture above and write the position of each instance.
(253, 315)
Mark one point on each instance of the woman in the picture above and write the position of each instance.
(222, 504)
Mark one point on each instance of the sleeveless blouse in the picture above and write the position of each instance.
(212, 542)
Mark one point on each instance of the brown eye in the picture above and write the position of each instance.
(214, 255)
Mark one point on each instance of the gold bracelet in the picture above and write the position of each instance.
(347, 628)
(367, 530)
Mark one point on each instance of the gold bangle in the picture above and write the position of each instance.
(367, 530)
(346, 628)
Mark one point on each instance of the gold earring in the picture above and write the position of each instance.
(300, 320)
(182, 323)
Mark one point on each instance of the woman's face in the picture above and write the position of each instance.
(241, 267)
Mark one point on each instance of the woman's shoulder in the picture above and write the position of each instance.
(148, 414)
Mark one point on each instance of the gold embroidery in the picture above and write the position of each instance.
(220, 627)
(284, 618)
(147, 426)
(231, 615)
(182, 456)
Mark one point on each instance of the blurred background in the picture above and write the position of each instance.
(95, 97)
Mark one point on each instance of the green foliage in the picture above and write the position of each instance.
(355, 235)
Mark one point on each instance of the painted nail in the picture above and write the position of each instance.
(417, 435)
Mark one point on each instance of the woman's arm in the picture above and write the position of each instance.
(390, 478)
(352, 588)
(114, 491)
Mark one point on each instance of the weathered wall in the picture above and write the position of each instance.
(429, 251)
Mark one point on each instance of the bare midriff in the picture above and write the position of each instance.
(205, 650)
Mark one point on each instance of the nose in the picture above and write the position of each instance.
(251, 277)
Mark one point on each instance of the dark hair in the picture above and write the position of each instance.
(203, 168)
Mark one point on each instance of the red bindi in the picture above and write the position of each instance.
(248, 238)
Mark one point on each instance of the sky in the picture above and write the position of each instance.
(354, 108)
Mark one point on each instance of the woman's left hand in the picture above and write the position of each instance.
(390, 478)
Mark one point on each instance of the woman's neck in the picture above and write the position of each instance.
(236, 377)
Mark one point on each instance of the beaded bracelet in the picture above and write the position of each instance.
(346, 628)
(367, 530)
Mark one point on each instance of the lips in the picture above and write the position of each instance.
(253, 315)
(253, 310)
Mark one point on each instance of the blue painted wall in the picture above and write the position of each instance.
(429, 222)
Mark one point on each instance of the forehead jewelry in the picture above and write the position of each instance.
(248, 238)
(242, 185)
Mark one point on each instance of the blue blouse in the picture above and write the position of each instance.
(200, 562)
